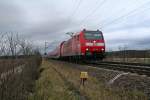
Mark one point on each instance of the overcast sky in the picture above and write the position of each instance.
(123, 22)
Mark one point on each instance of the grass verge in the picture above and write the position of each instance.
(60, 81)
(51, 86)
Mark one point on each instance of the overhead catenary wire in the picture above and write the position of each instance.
(93, 11)
(116, 19)
(125, 15)
(77, 4)
(75, 10)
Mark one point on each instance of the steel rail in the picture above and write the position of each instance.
(140, 69)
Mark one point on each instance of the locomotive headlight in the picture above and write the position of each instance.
(102, 49)
(87, 49)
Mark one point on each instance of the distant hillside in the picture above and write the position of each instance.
(130, 54)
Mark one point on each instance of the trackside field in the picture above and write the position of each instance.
(60, 81)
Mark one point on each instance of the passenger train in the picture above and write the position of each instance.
(87, 44)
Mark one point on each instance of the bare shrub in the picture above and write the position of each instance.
(19, 67)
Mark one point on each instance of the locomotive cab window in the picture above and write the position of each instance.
(93, 35)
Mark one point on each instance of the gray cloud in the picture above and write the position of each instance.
(130, 26)
(11, 16)
(132, 43)
(54, 28)
(47, 20)
(48, 27)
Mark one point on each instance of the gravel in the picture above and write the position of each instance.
(129, 81)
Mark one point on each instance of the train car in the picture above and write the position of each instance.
(85, 44)
(56, 53)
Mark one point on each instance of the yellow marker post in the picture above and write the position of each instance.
(83, 77)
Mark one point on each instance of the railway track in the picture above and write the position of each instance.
(141, 69)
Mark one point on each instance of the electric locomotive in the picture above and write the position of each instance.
(86, 44)
(92, 44)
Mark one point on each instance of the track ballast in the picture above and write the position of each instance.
(141, 69)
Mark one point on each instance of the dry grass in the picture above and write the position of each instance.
(52, 86)
(96, 90)
(16, 82)
(8, 64)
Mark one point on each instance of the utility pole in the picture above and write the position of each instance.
(45, 48)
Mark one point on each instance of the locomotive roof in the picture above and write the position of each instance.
(91, 31)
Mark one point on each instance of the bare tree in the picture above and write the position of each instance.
(3, 44)
(26, 48)
(13, 43)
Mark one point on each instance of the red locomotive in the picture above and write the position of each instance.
(85, 44)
